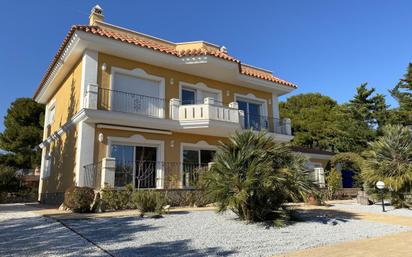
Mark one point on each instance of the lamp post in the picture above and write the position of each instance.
(381, 186)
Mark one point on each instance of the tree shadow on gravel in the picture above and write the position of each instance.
(40, 236)
(323, 215)
(177, 248)
(109, 230)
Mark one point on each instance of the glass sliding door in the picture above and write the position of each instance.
(146, 166)
(253, 118)
(192, 161)
(188, 96)
(124, 170)
(135, 165)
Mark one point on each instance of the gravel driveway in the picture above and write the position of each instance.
(200, 233)
(205, 233)
(375, 208)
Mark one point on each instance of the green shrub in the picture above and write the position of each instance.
(333, 183)
(149, 201)
(388, 159)
(68, 198)
(190, 198)
(254, 176)
(9, 182)
(116, 199)
(82, 198)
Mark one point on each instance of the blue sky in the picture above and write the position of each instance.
(325, 46)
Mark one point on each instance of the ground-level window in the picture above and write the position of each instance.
(136, 165)
(194, 160)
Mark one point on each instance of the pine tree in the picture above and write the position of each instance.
(402, 92)
(23, 132)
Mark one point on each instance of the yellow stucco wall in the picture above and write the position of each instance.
(63, 150)
(172, 90)
(67, 98)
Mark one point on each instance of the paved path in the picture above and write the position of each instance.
(24, 233)
(394, 245)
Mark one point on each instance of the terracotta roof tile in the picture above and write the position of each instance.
(152, 44)
(251, 71)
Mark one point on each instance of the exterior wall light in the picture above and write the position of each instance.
(380, 185)
(101, 137)
(104, 66)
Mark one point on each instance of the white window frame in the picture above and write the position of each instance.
(48, 160)
(48, 119)
(139, 73)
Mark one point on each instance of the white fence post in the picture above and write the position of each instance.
(288, 126)
(108, 169)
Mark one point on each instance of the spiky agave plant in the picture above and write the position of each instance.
(389, 159)
(253, 176)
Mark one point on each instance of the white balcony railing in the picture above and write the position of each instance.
(208, 110)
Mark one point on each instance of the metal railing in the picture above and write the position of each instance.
(144, 173)
(92, 175)
(120, 101)
(259, 122)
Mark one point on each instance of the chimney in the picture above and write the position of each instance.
(96, 15)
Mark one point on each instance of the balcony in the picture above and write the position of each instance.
(118, 101)
(270, 124)
(208, 117)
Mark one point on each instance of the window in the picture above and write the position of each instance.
(196, 96)
(192, 161)
(188, 96)
(135, 165)
(51, 112)
(136, 95)
(48, 159)
(253, 117)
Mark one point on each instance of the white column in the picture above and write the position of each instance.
(84, 149)
(275, 104)
(91, 96)
(174, 109)
(108, 170)
(89, 73)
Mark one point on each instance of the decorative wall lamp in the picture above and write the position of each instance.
(101, 137)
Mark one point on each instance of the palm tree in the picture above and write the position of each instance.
(253, 176)
(389, 159)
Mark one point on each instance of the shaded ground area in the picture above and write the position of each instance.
(23, 233)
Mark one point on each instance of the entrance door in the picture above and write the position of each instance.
(146, 167)
(347, 178)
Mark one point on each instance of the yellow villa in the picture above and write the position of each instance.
(123, 107)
